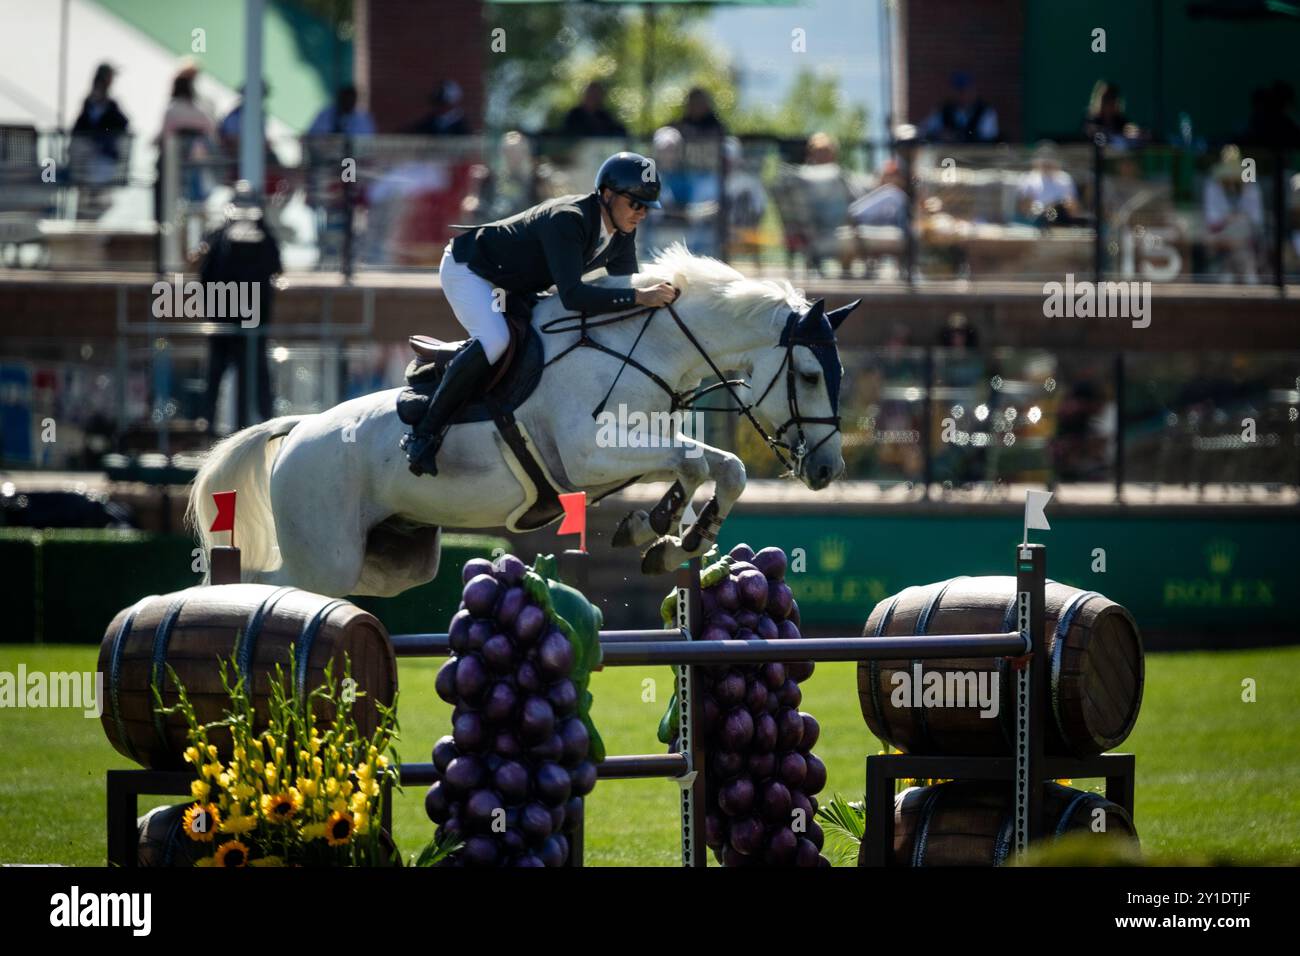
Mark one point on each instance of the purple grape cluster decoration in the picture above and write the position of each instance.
(762, 776)
(512, 773)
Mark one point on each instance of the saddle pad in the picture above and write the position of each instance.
(511, 392)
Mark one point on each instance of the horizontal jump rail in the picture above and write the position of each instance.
(436, 644)
(622, 767)
(641, 647)
(1010, 644)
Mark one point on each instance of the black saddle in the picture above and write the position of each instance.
(512, 379)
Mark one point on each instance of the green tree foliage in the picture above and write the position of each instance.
(554, 50)
(813, 103)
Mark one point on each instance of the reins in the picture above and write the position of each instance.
(686, 400)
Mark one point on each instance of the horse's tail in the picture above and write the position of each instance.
(241, 463)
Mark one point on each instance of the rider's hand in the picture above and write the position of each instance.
(662, 294)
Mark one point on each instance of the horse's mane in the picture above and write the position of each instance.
(741, 297)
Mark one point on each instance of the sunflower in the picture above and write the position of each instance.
(279, 807)
(232, 853)
(338, 829)
(201, 822)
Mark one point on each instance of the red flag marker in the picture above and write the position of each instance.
(225, 519)
(575, 517)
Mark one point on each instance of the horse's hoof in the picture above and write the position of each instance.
(625, 533)
(655, 561)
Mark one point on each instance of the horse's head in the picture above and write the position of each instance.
(797, 384)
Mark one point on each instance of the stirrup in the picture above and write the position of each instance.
(421, 460)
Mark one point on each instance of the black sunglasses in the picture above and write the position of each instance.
(635, 205)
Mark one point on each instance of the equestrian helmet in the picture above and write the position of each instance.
(631, 175)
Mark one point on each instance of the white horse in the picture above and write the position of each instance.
(326, 501)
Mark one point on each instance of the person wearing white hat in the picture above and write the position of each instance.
(1234, 220)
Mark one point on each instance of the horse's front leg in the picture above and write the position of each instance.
(685, 463)
(639, 528)
(728, 474)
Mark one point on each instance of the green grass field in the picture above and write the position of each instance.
(1216, 776)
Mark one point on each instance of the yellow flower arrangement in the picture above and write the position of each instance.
(287, 792)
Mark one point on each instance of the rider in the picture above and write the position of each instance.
(553, 243)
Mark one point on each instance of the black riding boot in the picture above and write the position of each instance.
(464, 372)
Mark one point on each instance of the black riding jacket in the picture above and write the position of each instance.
(553, 243)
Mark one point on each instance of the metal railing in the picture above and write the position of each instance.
(919, 419)
(1155, 212)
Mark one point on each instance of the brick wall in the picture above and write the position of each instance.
(404, 47)
(981, 37)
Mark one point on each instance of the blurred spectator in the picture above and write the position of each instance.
(1047, 195)
(826, 193)
(96, 153)
(689, 195)
(957, 333)
(698, 117)
(230, 129)
(1270, 121)
(342, 116)
(886, 205)
(668, 161)
(1080, 447)
(196, 131)
(963, 117)
(447, 117)
(1106, 122)
(242, 250)
(183, 113)
(821, 149)
(230, 126)
(519, 183)
(590, 118)
(1234, 220)
(900, 337)
(101, 119)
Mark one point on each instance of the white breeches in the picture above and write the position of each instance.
(471, 299)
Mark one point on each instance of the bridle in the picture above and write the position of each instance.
(685, 401)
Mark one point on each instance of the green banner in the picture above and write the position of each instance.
(1175, 574)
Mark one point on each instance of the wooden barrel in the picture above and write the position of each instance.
(1094, 656)
(163, 841)
(192, 630)
(970, 823)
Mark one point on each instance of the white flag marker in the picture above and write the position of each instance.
(1035, 502)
